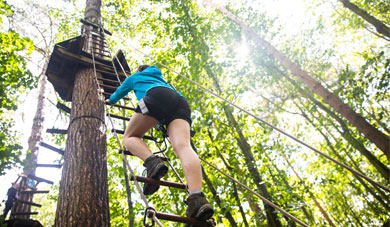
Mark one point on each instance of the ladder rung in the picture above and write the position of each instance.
(34, 192)
(118, 117)
(29, 203)
(43, 144)
(144, 137)
(63, 107)
(126, 152)
(159, 182)
(56, 131)
(107, 95)
(39, 179)
(120, 106)
(49, 165)
(25, 213)
(176, 218)
(108, 86)
(107, 73)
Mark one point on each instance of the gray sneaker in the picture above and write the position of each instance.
(155, 169)
(198, 207)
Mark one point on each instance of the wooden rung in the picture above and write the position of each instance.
(25, 213)
(34, 192)
(49, 165)
(95, 25)
(159, 182)
(39, 179)
(63, 107)
(144, 137)
(118, 117)
(108, 86)
(126, 152)
(107, 73)
(120, 106)
(43, 144)
(29, 203)
(176, 218)
(56, 131)
(107, 95)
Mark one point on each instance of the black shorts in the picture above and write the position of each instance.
(166, 105)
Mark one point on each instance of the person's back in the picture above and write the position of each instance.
(12, 197)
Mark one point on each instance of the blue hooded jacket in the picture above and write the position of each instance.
(140, 83)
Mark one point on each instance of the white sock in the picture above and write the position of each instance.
(196, 191)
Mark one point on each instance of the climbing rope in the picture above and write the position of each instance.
(270, 125)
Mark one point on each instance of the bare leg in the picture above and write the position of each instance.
(179, 134)
(139, 124)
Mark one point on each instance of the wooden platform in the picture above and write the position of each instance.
(68, 58)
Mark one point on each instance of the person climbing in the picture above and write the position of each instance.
(12, 195)
(160, 103)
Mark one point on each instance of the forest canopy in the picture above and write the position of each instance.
(317, 70)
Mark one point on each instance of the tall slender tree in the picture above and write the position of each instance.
(83, 196)
(380, 27)
(373, 134)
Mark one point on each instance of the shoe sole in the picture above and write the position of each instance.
(149, 189)
(204, 213)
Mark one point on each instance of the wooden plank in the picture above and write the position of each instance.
(56, 131)
(144, 137)
(34, 192)
(63, 107)
(108, 86)
(126, 152)
(120, 106)
(28, 203)
(107, 95)
(95, 25)
(105, 79)
(118, 117)
(50, 147)
(181, 219)
(159, 182)
(25, 213)
(87, 61)
(49, 165)
(39, 179)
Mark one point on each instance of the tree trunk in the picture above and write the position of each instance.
(322, 210)
(308, 215)
(362, 182)
(272, 218)
(372, 133)
(83, 195)
(33, 146)
(211, 187)
(382, 169)
(380, 27)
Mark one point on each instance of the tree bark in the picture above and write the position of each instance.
(380, 27)
(371, 133)
(83, 195)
